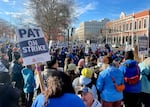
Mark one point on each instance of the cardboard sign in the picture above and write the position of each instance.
(32, 45)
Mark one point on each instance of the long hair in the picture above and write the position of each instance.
(58, 83)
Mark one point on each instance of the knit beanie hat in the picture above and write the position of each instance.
(71, 67)
(86, 72)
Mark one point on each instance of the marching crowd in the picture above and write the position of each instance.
(75, 78)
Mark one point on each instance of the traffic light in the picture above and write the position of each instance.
(71, 31)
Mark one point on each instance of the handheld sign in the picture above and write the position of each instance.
(32, 45)
(143, 45)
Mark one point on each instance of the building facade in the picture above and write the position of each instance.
(127, 29)
(90, 30)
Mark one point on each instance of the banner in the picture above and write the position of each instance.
(32, 45)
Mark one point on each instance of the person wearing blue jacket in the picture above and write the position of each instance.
(109, 95)
(132, 91)
(29, 84)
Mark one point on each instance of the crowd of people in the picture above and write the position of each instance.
(75, 78)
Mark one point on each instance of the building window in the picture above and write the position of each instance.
(130, 40)
(145, 23)
(126, 38)
(130, 26)
(126, 26)
(120, 28)
(135, 26)
(139, 24)
(123, 39)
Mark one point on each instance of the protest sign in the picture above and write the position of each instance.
(143, 45)
(32, 45)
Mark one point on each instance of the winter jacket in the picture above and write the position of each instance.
(145, 70)
(129, 69)
(29, 82)
(15, 70)
(106, 86)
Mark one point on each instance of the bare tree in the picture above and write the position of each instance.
(53, 15)
(5, 28)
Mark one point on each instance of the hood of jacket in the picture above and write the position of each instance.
(130, 63)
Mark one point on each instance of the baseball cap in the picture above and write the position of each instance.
(84, 90)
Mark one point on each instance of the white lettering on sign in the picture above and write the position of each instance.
(33, 47)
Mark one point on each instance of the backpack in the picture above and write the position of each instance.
(134, 79)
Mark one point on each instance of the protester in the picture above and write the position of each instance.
(87, 60)
(145, 81)
(85, 79)
(105, 63)
(68, 60)
(87, 97)
(51, 66)
(29, 84)
(4, 71)
(105, 85)
(9, 53)
(132, 91)
(9, 96)
(59, 93)
(4, 60)
(71, 71)
(4, 74)
(81, 65)
(16, 76)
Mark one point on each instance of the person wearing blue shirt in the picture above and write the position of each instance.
(59, 93)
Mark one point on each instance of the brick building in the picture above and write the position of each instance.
(128, 28)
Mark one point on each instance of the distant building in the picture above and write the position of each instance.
(90, 30)
(127, 29)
